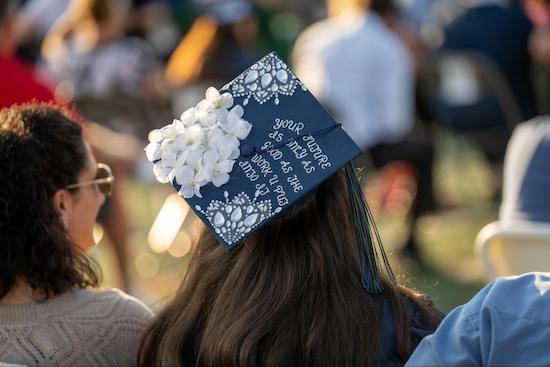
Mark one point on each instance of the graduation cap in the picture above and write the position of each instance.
(253, 150)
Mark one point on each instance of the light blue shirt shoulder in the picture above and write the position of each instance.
(506, 324)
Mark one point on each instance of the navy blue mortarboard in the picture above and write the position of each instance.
(254, 149)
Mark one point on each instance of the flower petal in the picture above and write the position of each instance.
(225, 100)
(224, 152)
(182, 156)
(210, 157)
(207, 119)
(184, 175)
(194, 134)
(153, 151)
(155, 136)
(212, 95)
(204, 174)
(242, 129)
(237, 110)
(221, 115)
(194, 159)
(225, 166)
(235, 153)
(186, 191)
(220, 179)
(177, 126)
(197, 191)
(169, 159)
(205, 105)
(189, 117)
(161, 173)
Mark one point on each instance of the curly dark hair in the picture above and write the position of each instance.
(42, 151)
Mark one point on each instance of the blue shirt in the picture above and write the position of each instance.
(506, 324)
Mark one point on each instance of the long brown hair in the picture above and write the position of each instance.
(289, 295)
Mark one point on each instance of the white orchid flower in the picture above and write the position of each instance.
(214, 135)
(227, 146)
(155, 136)
(237, 110)
(202, 146)
(168, 146)
(237, 128)
(194, 158)
(162, 173)
(191, 139)
(189, 117)
(205, 105)
(221, 115)
(153, 151)
(214, 169)
(182, 157)
(207, 119)
(224, 100)
(234, 114)
(219, 138)
(231, 149)
(172, 130)
(169, 159)
(185, 176)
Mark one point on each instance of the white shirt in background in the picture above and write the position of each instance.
(362, 72)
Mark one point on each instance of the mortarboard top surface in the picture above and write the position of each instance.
(293, 146)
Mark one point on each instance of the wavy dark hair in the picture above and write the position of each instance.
(42, 151)
(289, 295)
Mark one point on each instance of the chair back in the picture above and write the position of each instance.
(514, 247)
(468, 92)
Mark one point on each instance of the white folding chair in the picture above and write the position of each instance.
(514, 247)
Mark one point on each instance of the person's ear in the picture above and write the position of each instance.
(62, 203)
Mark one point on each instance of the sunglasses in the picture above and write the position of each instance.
(103, 180)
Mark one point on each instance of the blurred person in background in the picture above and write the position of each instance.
(36, 17)
(539, 41)
(392, 15)
(21, 83)
(499, 29)
(497, 32)
(155, 22)
(87, 52)
(539, 47)
(362, 72)
(51, 191)
(225, 31)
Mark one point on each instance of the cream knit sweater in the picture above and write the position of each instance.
(78, 328)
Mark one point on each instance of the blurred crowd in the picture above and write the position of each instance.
(393, 72)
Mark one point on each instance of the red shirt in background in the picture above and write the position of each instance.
(19, 84)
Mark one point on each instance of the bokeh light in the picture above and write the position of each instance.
(167, 224)
(147, 265)
(181, 245)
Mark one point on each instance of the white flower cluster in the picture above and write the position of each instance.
(202, 146)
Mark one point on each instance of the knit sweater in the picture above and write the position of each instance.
(78, 328)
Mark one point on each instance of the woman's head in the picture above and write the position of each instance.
(291, 294)
(44, 227)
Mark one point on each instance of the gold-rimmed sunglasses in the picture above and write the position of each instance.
(103, 179)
